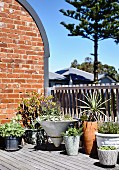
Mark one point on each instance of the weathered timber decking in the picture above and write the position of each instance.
(28, 158)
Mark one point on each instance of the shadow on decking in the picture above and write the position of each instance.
(50, 147)
(103, 166)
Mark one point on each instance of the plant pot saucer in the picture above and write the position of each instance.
(16, 149)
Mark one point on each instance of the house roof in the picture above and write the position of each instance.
(55, 76)
(101, 76)
(76, 74)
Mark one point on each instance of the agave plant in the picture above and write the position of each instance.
(93, 106)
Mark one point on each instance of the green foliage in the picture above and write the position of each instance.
(73, 132)
(84, 117)
(93, 20)
(39, 107)
(108, 128)
(98, 18)
(50, 110)
(88, 64)
(107, 148)
(93, 106)
(29, 109)
(11, 129)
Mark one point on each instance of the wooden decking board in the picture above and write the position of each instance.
(3, 168)
(19, 162)
(16, 161)
(77, 159)
(46, 161)
(6, 163)
(24, 158)
(28, 158)
(57, 158)
(55, 162)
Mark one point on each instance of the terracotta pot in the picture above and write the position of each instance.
(89, 139)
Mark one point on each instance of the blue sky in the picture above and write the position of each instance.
(64, 49)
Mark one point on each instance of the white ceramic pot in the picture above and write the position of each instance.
(108, 157)
(107, 139)
(72, 144)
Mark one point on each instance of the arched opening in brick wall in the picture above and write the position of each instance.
(24, 53)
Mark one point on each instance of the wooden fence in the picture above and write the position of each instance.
(68, 97)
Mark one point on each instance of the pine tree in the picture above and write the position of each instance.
(97, 20)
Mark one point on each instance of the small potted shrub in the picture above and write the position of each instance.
(11, 132)
(107, 155)
(108, 134)
(72, 139)
(29, 109)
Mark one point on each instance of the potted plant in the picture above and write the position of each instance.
(107, 155)
(52, 120)
(72, 139)
(29, 109)
(93, 107)
(108, 134)
(12, 132)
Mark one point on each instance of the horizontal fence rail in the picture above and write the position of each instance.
(68, 97)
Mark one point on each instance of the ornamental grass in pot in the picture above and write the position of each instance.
(93, 106)
(72, 139)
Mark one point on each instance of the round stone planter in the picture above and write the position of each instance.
(72, 144)
(107, 139)
(55, 128)
(107, 157)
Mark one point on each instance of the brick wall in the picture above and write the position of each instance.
(21, 57)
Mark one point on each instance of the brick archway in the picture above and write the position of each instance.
(24, 53)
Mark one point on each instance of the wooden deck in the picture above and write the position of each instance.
(47, 158)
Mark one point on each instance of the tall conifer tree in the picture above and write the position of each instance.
(97, 20)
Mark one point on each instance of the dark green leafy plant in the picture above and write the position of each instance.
(108, 128)
(73, 132)
(107, 148)
(93, 106)
(11, 129)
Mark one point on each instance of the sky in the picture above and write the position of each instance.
(65, 49)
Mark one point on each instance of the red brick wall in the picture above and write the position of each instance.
(21, 57)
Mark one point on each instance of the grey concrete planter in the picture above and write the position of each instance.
(108, 157)
(72, 144)
(55, 128)
(107, 139)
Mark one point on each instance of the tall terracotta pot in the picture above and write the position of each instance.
(89, 139)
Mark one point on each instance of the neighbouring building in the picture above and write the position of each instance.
(74, 76)
(24, 53)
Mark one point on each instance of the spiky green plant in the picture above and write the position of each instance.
(94, 106)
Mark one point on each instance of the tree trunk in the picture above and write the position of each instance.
(96, 59)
